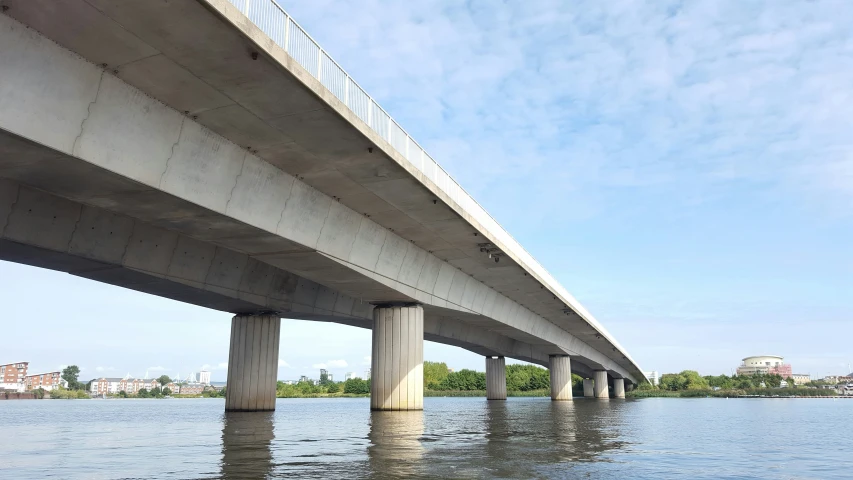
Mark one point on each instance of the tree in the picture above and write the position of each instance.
(357, 386)
(70, 374)
(122, 394)
(156, 392)
(164, 380)
(434, 373)
(324, 378)
(463, 380)
(333, 387)
(167, 391)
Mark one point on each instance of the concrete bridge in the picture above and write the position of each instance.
(209, 151)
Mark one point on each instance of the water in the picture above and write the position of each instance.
(452, 438)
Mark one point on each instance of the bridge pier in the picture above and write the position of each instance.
(253, 363)
(618, 388)
(495, 378)
(600, 389)
(587, 388)
(397, 360)
(561, 377)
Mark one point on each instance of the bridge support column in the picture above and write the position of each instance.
(561, 377)
(600, 389)
(495, 378)
(618, 388)
(253, 363)
(587, 387)
(397, 362)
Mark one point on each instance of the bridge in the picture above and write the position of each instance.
(211, 152)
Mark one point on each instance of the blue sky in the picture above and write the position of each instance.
(684, 169)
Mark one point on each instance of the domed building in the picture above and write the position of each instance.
(765, 364)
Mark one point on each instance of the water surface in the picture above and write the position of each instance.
(451, 438)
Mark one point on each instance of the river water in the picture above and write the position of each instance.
(452, 438)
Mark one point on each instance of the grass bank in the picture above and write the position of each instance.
(482, 393)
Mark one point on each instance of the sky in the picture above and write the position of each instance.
(684, 169)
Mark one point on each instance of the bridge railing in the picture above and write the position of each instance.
(286, 33)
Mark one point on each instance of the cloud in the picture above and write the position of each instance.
(366, 360)
(156, 369)
(337, 363)
(282, 363)
(319, 365)
(221, 366)
(104, 369)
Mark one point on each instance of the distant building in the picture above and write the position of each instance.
(46, 381)
(801, 378)
(12, 376)
(304, 378)
(653, 377)
(204, 377)
(113, 385)
(367, 374)
(836, 379)
(766, 365)
(190, 388)
(349, 376)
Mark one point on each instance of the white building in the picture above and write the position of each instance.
(204, 377)
(349, 376)
(653, 377)
(367, 374)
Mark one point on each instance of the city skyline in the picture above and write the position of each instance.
(691, 186)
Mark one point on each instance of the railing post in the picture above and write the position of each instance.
(319, 64)
(286, 32)
(246, 8)
(346, 90)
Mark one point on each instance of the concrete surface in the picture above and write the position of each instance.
(253, 363)
(587, 388)
(618, 388)
(495, 378)
(561, 377)
(161, 120)
(397, 360)
(599, 385)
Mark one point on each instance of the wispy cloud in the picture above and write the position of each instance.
(104, 369)
(283, 364)
(157, 369)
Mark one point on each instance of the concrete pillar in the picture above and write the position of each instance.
(397, 362)
(618, 388)
(599, 386)
(561, 377)
(495, 378)
(587, 387)
(253, 363)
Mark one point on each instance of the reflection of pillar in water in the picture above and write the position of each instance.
(564, 424)
(498, 430)
(395, 439)
(246, 439)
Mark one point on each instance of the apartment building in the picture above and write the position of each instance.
(12, 376)
(46, 381)
(111, 386)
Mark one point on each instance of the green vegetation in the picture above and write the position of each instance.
(65, 394)
(691, 380)
(689, 384)
(70, 375)
(765, 392)
(164, 380)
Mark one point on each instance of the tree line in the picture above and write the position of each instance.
(691, 380)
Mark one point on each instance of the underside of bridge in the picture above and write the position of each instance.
(172, 148)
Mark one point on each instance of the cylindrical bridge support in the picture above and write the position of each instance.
(600, 389)
(618, 388)
(495, 378)
(253, 363)
(561, 377)
(587, 388)
(397, 362)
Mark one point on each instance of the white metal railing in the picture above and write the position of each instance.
(286, 33)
